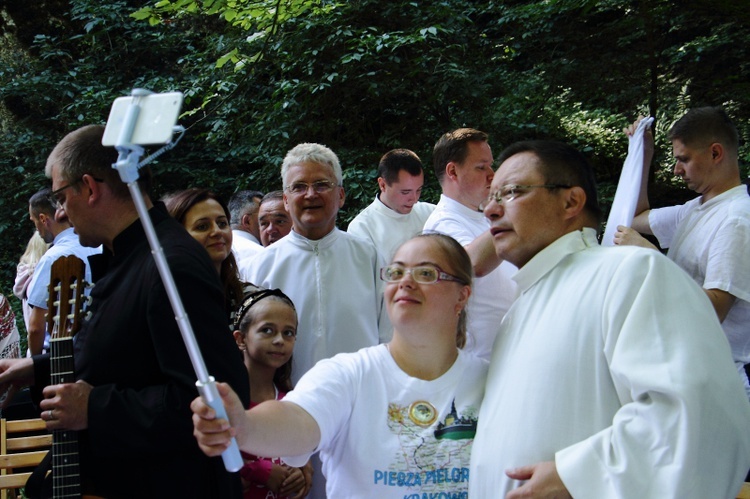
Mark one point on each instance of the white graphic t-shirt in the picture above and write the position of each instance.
(385, 434)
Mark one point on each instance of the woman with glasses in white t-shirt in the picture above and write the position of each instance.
(393, 420)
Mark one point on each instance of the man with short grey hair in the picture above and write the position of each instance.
(243, 213)
(331, 276)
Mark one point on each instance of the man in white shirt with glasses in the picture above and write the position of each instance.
(611, 376)
(331, 276)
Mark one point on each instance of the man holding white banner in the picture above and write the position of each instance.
(709, 236)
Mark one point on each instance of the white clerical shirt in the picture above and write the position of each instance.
(612, 363)
(335, 285)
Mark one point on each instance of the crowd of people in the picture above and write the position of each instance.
(487, 346)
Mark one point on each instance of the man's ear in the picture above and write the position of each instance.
(61, 216)
(717, 152)
(95, 187)
(342, 196)
(381, 184)
(575, 201)
(451, 170)
(246, 219)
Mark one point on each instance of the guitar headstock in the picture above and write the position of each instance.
(66, 300)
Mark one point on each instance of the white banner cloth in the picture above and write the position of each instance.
(626, 196)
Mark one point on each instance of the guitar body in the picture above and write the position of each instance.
(66, 299)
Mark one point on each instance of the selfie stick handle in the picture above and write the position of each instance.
(127, 166)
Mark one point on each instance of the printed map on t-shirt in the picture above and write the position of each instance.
(433, 456)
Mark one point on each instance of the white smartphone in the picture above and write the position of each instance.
(156, 120)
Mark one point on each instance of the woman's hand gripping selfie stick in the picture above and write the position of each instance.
(127, 166)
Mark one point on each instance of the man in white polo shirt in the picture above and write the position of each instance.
(463, 166)
(243, 210)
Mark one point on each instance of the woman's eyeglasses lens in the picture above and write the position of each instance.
(423, 275)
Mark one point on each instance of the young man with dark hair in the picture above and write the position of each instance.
(396, 214)
(54, 227)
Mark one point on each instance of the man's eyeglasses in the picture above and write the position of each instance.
(423, 274)
(56, 196)
(319, 187)
(510, 192)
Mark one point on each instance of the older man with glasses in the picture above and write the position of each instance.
(611, 376)
(330, 275)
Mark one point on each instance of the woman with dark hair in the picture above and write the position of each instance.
(206, 218)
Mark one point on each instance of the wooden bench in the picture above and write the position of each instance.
(23, 445)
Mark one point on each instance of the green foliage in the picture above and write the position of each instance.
(362, 77)
(361, 187)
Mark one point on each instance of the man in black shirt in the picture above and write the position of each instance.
(135, 378)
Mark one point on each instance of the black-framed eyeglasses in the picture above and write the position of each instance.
(510, 192)
(319, 187)
(58, 200)
(423, 274)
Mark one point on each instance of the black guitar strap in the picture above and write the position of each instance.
(39, 484)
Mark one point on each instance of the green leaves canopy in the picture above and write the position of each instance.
(360, 76)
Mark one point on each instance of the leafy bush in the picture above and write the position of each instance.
(362, 77)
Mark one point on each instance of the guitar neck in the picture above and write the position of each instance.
(61, 361)
(66, 478)
(66, 289)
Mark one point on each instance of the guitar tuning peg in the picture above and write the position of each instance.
(88, 315)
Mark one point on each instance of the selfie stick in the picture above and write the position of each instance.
(127, 166)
